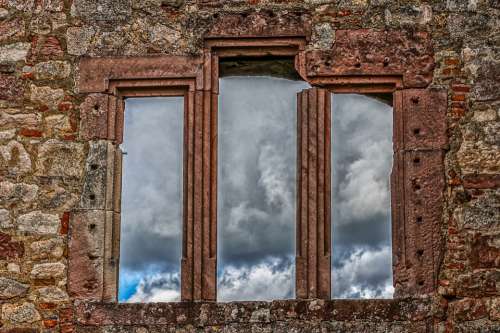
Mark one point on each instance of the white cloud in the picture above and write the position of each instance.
(364, 274)
(271, 279)
(160, 287)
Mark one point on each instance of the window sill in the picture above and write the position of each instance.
(408, 312)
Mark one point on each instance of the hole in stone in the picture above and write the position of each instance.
(416, 160)
(421, 283)
(419, 219)
(416, 131)
(415, 99)
(417, 187)
(93, 167)
(96, 107)
(357, 65)
(386, 62)
(420, 253)
(92, 196)
(92, 226)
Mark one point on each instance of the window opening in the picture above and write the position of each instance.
(362, 157)
(257, 187)
(151, 218)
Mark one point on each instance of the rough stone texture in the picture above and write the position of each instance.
(17, 314)
(60, 159)
(46, 158)
(48, 270)
(11, 288)
(38, 223)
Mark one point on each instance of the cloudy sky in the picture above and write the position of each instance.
(257, 169)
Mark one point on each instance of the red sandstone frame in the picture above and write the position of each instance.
(362, 61)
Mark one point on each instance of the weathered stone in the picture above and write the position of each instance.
(14, 158)
(14, 52)
(11, 288)
(46, 48)
(3, 13)
(17, 192)
(56, 197)
(9, 118)
(60, 159)
(9, 248)
(11, 29)
(94, 117)
(47, 96)
(49, 5)
(94, 187)
(51, 295)
(52, 70)
(5, 221)
(323, 36)
(13, 268)
(479, 157)
(48, 271)
(78, 39)
(38, 223)
(51, 248)
(86, 255)
(7, 134)
(107, 10)
(11, 88)
(482, 213)
(58, 124)
(18, 314)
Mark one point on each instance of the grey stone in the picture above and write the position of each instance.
(102, 10)
(60, 159)
(52, 294)
(94, 187)
(16, 193)
(14, 52)
(52, 70)
(5, 219)
(11, 288)
(38, 223)
(78, 39)
(17, 314)
(48, 270)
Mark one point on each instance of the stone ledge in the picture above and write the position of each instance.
(220, 314)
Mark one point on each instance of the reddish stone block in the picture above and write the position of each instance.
(372, 52)
(484, 252)
(481, 181)
(458, 97)
(11, 88)
(64, 223)
(45, 48)
(94, 117)
(10, 249)
(10, 29)
(50, 323)
(468, 309)
(30, 133)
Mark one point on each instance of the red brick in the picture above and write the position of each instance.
(50, 323)
(459, 97)
(65, 223)
(460, 88)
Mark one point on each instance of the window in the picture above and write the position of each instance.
(361, 198)
(151, 212)
(257, 187)
(419, 139)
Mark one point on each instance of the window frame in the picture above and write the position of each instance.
(107, 81)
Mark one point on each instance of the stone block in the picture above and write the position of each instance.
(86, 255)
(38, 223)
(10, 249)
(11, 288)
(94, 117)
(52, 70)
(51, 294)
(5, 221)
(50, 248)
(17, 192)
(14, 158)
(46, 96)
(20, 314)
(60, 159)
(11, 89)
(14, 52)
(48, 271)
(79, 39)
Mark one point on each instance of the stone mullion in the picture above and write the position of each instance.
(313, 257)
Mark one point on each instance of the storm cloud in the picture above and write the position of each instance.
(256, 194)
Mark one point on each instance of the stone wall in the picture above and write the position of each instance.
(43, 154)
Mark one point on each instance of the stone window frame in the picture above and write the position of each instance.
(420, 141)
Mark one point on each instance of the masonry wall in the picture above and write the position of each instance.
(43, 155)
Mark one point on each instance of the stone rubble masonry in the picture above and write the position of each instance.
(60, 160)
